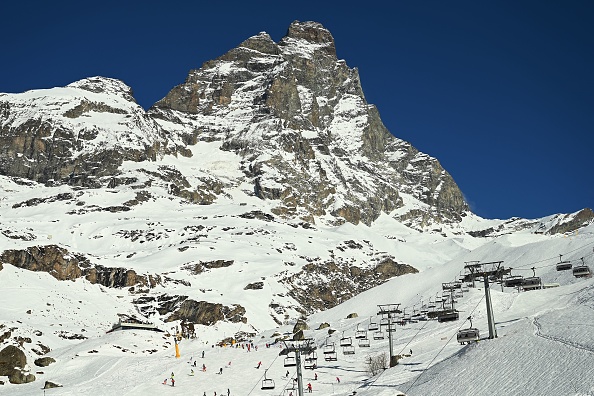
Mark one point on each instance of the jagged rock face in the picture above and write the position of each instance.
(570, 223)
(63, 265)
(76, 134)
(341, 281)
(202, 312)
(298, 117)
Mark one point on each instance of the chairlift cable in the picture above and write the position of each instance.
(260, 379)
(442, 348)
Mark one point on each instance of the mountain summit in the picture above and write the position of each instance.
(309, 140)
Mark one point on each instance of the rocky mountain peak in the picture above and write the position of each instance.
(313, 33)
(104, 85)
(262, 42)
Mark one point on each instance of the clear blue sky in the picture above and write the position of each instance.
(501, 92)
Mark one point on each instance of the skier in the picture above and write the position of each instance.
(172, 375)
(203, 357)
(287, 374)
(309, 388)
(338, 380)
(259, 364)
(411, 351)
(165, 381)
(203, 367)
(221, 370)
(172, 382)
(228, 392)
(194, 363)
(316, 376)
(192, 372)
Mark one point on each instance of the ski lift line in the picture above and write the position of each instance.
(520, 268)
(554, 258)
(260, 379)
(443, 347)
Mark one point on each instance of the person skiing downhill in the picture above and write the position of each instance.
(259, 364)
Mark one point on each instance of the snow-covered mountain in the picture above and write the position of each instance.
(262, 189)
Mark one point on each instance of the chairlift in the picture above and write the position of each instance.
(372, 325)
(360, 333)
(311, 357)
(311, 361)
(448, 315)
(290, 361)
(345, 341)
(468, 335)
(330, 357)
(513, 281)
(384, 322)
(267, 383)
(348, 350)
(378, 335)
(563, 265)
(364, 342)
(582, 271)
(329, 348)
(532, 283)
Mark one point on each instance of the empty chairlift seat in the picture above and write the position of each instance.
(267, 383)
(330, 357)
(329, 348)
(348, 350)
(582, 271)
(290, 361)
(513, 281)
(531, 283)
(378, 335)
(467, 335)
(448, 316)
(364, 342)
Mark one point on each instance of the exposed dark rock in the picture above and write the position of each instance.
(64, 265)
(20, 377)
(254, 286)
(202, 312)
(49, 385)
(352, 315)
(44, 361)
(581, 219)
(11, 357)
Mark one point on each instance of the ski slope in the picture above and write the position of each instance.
(545, 342)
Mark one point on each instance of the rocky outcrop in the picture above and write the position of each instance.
(11, 357)
(51, 136)
(64, 265)
(44, 361)
(570, 223)
(341, 281)
(202, 312)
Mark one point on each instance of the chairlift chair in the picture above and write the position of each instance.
(373, 326)
(330, 357)
(348, 350)
(531, 283)
(563, 265)
(468, 335)
(582, 271)
(267, 383)
(513, 281)
(448, 316)
(384, 322)
(360, 333)
(329, 348)
(364, 342)
(345, 341)
(290, 361)
(378, 335)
